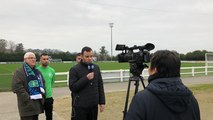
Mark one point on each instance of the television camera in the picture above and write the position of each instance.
(136, 59)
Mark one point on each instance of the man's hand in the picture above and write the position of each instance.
(90, 76)
(102, 107)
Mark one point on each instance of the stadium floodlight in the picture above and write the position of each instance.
(111, 26)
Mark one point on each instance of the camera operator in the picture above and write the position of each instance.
(165, 97)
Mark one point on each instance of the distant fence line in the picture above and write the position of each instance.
(123, 75)
(37, 62)
(11, 62)
(99, 61)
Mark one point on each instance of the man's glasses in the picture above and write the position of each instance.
(31, 58)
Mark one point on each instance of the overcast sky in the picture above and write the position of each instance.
(69, 25)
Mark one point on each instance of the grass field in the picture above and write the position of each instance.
(115, 104)
(6, 71)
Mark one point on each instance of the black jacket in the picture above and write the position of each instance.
(164, 99)
(86, 93)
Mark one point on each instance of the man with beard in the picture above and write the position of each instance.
(49, 76)
(86, 85)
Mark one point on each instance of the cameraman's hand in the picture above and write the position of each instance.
(90, 76)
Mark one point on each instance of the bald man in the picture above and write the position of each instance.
(28, 85)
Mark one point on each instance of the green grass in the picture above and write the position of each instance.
(5, 82)
(202, 87)
(6, 71)
(63, 67)
(8, 68)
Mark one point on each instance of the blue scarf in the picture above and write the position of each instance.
(34, 82)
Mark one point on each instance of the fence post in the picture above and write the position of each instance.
(193, 71)
(121, 75)
(206, 70)
(67, 78)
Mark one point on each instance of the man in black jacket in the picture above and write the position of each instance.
(86, 85)
(165, 97)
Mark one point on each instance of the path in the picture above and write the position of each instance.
(8, 103)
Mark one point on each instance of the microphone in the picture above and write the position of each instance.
(90, 67)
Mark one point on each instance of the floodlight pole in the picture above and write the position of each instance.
(111, 26)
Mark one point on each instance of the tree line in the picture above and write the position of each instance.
(14, 52)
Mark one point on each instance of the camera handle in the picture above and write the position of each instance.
(136, 79)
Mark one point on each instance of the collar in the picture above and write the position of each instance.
(153, 77)
(83, 63)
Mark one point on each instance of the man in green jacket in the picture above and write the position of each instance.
(49, 76)
(28, 85)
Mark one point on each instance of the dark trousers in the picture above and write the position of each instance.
(34, 117)
(48, 108)
(79, 113)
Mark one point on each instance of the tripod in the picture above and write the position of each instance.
(136, 79)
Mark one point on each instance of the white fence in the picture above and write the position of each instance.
(123, 75)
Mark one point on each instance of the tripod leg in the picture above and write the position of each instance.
(136, 86)
(127, 98)
(141, 78)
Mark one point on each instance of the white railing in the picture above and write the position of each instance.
(123, 75)
(62, 73)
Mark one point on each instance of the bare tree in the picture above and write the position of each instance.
(11, 46)
(3, 45)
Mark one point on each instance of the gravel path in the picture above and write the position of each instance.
(9, 110)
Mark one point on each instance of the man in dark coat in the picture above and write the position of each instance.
(27, 83)
(165, 97)
(86, 85)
